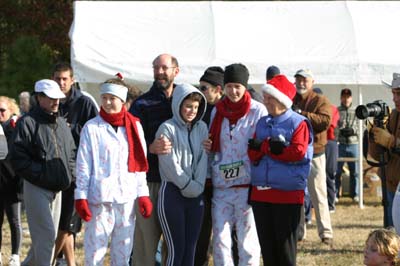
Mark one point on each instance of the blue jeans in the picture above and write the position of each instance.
(348, 150)
(389, 206)
(331, 153)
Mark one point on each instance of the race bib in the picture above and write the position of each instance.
(232, 171)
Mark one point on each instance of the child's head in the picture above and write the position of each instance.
(190, 106)
(382, 248)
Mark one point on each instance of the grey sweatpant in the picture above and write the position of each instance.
(43, 208)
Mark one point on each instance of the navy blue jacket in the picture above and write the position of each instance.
(152, 108)
(77, 110)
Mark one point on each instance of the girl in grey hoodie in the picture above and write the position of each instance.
(183, 173)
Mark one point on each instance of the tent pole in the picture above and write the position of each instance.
(360, 157)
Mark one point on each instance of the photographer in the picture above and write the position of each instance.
(388, 137)
(348, 143)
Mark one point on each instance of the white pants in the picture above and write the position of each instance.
(319, 196)
(110, 220)
(231, 211)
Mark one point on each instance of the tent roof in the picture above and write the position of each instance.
(342, 42)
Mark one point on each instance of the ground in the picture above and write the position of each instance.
(351, 226)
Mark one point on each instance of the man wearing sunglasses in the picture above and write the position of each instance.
(211, 85)
(153, 108)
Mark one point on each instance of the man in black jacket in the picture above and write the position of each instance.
(43, 154)
(77, 109)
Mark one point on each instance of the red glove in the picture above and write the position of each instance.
(82, 207)
(145, 206)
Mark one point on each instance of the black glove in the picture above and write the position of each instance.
(296, 109)
(276, 145)
(254, 144)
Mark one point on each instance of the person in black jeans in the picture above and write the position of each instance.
(10, 185)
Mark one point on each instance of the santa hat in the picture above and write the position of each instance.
(280, 88)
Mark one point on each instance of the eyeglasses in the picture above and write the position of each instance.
(2, 110)
(164, 68)
(203, 88)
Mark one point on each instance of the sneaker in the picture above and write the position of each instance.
(14, 260)
(356, 199)
(327, 241)
(336, 199)
(332, 210)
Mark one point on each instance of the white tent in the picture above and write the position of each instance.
(343, 42)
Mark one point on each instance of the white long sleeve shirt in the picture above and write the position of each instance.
(102, 165)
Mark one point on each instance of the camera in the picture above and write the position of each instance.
(377, 109)
(347, 132)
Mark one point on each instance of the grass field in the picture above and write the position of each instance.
(351, 226)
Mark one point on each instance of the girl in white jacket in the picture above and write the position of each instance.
(110, 174)
(183, 173)
(233, 122)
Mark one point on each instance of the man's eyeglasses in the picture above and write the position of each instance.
(164, 68)
(203, 88)
(2, 110)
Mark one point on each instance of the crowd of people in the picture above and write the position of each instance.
(216, 170)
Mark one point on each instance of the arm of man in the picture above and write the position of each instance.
(160, 145)
(319, 113)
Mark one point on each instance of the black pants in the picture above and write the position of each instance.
(180, 220)
(13, 211)
(277, 232)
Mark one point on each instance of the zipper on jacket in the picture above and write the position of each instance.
(189, 129)
(55, 142)
(231, 128)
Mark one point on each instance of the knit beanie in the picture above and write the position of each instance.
(272, 71)
(236, 73)
(281, 89)
(114, 89)
(214, 75)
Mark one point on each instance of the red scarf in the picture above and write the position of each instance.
(137, 161)
(230, 110)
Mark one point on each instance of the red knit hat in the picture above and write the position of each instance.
(280, 88)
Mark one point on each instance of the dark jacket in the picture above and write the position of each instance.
(77, 110)
(10, 183)
(348, 125)
(391, 169)
(152, 108)
(3, 144)
(44, 150)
